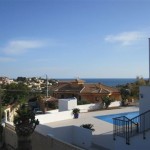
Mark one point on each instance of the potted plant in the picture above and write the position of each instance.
(76, 112)
(88, 126)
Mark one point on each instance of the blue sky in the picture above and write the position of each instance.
(74, 38)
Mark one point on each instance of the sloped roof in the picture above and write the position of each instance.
(87, 88)
(98, 88)
(69, 88)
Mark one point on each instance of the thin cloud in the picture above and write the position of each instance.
(17, 47)
(125, 38)
(6, 59)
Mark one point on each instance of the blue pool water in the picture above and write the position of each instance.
(109, 118)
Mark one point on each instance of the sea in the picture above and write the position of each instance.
(107, 81)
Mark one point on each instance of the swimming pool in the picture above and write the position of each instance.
(109, 118)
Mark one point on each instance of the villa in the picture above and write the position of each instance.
(92, 93)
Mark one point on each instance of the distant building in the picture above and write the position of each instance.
(85, 91)
(5, 80)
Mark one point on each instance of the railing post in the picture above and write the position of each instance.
(131, 128)
(127, 132)
(114, 129)
(144, 127)
(137, 129)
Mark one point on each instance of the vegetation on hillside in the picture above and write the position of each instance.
(14, 92)
(130, 91)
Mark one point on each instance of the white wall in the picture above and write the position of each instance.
(115, 104)
(54, 115)
(97, 106)
(88, 107)
(144, 96)
(72, 134)
(67, 104)
(82, 137)
(63, 133)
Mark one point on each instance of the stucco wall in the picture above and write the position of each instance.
(82, 137)
(67, 104)
(39, 141)
(115, 104)
(144, 103)
(10, 136)
(88, 107)
(72, 134)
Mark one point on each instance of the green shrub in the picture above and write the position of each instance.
(88, 126)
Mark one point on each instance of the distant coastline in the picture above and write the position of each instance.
(106, 81)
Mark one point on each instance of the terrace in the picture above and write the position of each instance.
(102, 135)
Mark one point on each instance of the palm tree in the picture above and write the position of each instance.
(25, 124)
(88, 126)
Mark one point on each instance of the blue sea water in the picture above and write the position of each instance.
(109, 81)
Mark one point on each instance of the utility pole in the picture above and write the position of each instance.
(149, 60)
(46, 86)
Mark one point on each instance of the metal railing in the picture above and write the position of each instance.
(127, 128)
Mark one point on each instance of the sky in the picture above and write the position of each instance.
(74, 38)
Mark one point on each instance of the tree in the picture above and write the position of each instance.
(131, 90)
(14, 92)
(125, 94)
(106, 100)
(25, 124)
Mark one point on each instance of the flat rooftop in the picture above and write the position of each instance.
(102, 136)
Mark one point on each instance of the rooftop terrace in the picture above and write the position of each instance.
(102, 136)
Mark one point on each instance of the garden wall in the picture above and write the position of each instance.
(39, 141)
(54, 115)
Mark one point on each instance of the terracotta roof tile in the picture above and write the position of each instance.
(86, 88)
(69, 87)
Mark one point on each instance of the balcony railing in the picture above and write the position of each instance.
(127, 128)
